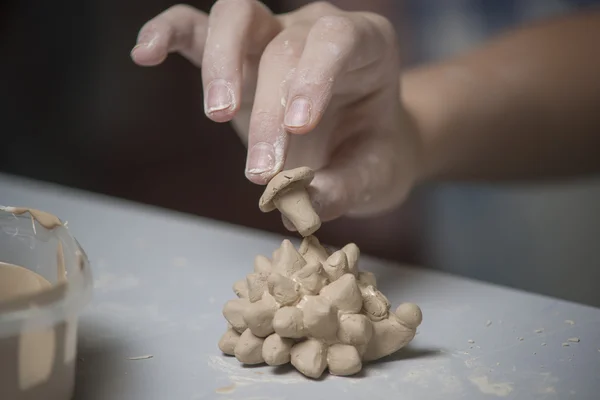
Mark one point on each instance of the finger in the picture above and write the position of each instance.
(267, 138)
(236, 28)
(180, 28)
(336, 45)
(367, 176)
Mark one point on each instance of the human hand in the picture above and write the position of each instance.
(317, 87)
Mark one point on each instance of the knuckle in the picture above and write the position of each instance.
(383, 25)
(181, 9)
(227, 6)
(335, 25)
(283, 48)
(321, 8)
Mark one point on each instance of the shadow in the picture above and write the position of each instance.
(98, 363)
(290, 369)
(406, 353)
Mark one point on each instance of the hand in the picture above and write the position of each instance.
(317, 87)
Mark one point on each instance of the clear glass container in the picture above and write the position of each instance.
(45, 281)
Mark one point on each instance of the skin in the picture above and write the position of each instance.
(523, 106)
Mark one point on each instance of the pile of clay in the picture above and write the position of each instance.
(312, 307)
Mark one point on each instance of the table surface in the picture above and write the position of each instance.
(161, 279)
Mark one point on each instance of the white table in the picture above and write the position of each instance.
(161, 279)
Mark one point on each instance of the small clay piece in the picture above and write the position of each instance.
(287, 260)
(257, 285)
(262, 264)
(276, 350)
(310, 357)
(355, 329)
(288, 323)
(315, 310)
(367, 279)
(284, 290)
(228, 341)
(311, 250)
(336, 265)
(287, 192)
(352, 254)
(240, 288)
(259, 315)
(320, 318)
(344, 294)
(343, 360)
(375, 304)
(311, 278)
(233, 313)
(248, 349)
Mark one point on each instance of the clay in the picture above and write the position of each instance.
(343, 359)
(355, 329)
(228, 341)
(310, 357)
(233, 313)
(259, 315)
(287, 260)
(311, 278)
(277, 350)
(316, 314)
(262, 264)
(284, 290)
(320, 318)
(312, 251)
(248, 349)
(240, 288)
(310, 306)
(43, 218)
(257, 285)
(287, 192)
(352, 253)
(375, 304)
(336, 265)
(344, 294)
(289, 322)
(18, 282)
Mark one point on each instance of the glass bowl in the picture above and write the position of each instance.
(45, 281)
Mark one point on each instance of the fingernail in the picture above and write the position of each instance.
(298, 114)
(218, 97)
(261, 159)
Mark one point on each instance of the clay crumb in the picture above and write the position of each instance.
(488, 323)
(145, 357)
(470, 341)
(226, 389)
(539, 331)
(565, 344)
(569, 321)
(574, 340)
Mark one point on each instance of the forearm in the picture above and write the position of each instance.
(525, 106)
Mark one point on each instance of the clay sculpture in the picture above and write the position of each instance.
(309, 306)
(315, 310)
(286, 191)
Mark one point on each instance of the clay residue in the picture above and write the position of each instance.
(226, 389)
(484, 385)
(45, 219)
(17, 282)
